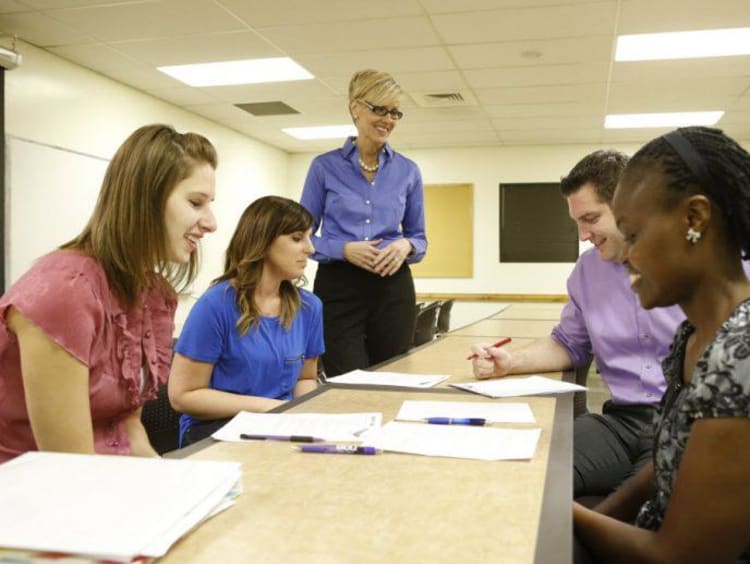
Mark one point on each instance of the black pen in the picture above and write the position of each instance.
(290, 438)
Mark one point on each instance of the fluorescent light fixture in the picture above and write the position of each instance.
(683, 44)
(321, 132)
(672, 119)
(249, 71)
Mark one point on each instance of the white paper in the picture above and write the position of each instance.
(106, 507)
(529, 386)
(456, 441)
(327, 426)
(414, 410)
(363, 377)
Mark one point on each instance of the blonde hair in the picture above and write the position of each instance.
(126, 232)
(376, 87)
(261, 223)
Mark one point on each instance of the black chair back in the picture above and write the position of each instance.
(444, 317)
(426, 325)
(162, 422)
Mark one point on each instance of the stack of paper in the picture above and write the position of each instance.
(108, 507)
(529, 386)
(327, 426)
(365, 378)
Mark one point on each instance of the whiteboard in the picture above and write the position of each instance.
(50, 195)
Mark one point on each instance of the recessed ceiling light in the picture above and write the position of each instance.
(321, 132)
(671, 119)
(683, 44)
(248, 71)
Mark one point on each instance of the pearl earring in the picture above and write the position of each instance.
(692, 235)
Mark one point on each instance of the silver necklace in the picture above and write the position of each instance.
(367, 167)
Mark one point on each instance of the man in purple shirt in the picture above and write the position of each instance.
(604, 321)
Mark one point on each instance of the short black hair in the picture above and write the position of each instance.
(601, 168)
(727, 182)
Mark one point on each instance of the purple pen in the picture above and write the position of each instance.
(338, 449)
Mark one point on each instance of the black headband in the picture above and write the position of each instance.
(697, 166)
(691, 158)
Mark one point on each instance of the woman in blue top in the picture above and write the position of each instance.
(251, 342)
(683, 207)
(368, 201)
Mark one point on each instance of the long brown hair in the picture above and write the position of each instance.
(126, 232)
(261, 223)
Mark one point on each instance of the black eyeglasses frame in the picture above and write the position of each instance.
(382, 110)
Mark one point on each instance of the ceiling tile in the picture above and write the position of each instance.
(681, 69)
(166, 18)
(394, 60)
(353, 36)
(58, 4)
(538, 76)
(261, 13)
(9, 6)
(527, 23)
(449, 6)
(562, 109)
(441, 81)
(669, 95)
(40, 29)
(647, 16)
(287, 92)
(203, 49)
(589, 48)
(115, 65)
(587, 122)
(182, 95)
(551, 136)
(587, 93)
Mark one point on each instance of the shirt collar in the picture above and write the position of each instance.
(350, 146)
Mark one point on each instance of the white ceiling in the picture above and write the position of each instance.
(541, 71)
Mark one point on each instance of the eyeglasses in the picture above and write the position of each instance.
(382, 110)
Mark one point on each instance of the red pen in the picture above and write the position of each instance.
(500, 343)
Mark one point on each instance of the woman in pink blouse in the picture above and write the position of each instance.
(85, 334)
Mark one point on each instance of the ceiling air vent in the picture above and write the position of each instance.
(444, 99)
(267, 108)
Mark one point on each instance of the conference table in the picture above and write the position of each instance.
(394, 507)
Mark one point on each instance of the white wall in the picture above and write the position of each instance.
(62, 107)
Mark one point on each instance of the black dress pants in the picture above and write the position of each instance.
(366, 318)
(611, 447)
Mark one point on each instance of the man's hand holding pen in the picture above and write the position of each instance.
(490, 360)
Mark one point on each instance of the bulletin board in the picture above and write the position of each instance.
(449, 217)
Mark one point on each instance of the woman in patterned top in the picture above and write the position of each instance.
(683, 205)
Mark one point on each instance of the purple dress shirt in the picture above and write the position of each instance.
(604, 318)
(350, 208)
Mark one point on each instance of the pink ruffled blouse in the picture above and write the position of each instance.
(66, 294)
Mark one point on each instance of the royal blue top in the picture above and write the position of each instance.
(350, 208)
(266, 361)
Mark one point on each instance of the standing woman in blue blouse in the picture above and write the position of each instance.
(251, 341)
(369, 203)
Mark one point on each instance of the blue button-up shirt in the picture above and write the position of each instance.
(347, 207)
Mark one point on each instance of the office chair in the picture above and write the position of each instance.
(426, 325)
(162, 422)
(444, 317)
